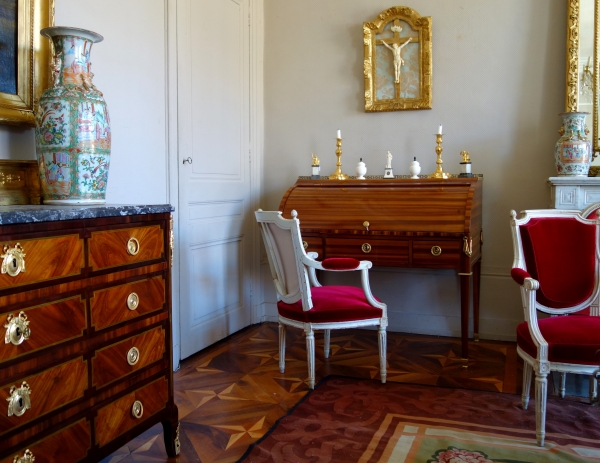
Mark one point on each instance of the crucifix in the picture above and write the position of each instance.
(396, 48)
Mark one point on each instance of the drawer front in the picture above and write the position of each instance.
(378, 251)
(68, 445)
(45, 259)
(49, 390)
(118, 360)
(48, 325)
(125, 246)
(124, 302)
(117, 418)
(436, 254)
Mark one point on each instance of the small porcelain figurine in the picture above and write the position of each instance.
(361, 170)
(415, 168)
(388, 173)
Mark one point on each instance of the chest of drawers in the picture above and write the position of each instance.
(86, 362)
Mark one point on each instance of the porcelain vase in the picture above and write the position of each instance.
(72, 130)
(573, 152)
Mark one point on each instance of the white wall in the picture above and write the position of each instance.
(498, 87)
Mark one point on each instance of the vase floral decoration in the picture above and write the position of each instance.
(72, 131)
(573, 151)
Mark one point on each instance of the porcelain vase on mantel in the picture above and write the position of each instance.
(72, 130)
(573, 152)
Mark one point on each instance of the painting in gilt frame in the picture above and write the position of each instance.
(398, 61)
(24, 57)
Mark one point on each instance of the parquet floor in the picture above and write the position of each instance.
(231, 393)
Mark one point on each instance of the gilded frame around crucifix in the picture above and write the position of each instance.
(398, 61)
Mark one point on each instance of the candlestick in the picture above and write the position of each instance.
(439, 172)
(339, 134)
(440, 130)
(338, 174)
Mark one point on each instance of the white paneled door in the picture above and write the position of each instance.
(215, 217)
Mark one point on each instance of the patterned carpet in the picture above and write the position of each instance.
(347, 420)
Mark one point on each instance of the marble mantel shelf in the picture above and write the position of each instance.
(10, 215)
(572, 192)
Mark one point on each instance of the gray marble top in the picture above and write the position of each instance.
(10, 215)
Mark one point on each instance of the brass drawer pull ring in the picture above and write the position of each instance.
(19, 400)
(133, 246)
(26, 458)
(133, 356)
(133, 301)
(436, 250)
(17, 329)
(366, 248)
(137, 409)
(304, 244)
(13, 261)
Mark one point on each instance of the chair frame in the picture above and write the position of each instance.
(306, 266)
(541, 365)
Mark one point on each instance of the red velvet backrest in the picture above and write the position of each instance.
(560, 253)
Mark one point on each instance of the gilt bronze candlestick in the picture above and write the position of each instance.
(439, 172)
(338, 174)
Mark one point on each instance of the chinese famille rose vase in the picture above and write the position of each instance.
(573, 152)
(72, 131)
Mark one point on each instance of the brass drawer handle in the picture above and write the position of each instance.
(304, 244)
(366, 248)
(133, 246)
(133, 356)
(137, 409)
(13, 260)
(436, 250)
(17, 329)
(468, 246)
(26, 458)
(366, 225)
(19, 400)
(133, 300)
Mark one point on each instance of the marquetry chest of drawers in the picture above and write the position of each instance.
(86, 362)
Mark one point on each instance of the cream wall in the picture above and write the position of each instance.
(498, 87)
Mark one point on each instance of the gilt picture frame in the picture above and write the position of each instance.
(28, 58)
(398, 61)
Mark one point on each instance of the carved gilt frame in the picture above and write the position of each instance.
(32, 62)
(422, 27)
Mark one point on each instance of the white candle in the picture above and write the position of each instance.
(339, 134)
(440, 130)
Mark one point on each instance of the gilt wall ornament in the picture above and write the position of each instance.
(398, 61)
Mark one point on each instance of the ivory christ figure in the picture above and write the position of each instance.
(398, 61)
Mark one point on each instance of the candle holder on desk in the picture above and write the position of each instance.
(439, 172)
(338, 174)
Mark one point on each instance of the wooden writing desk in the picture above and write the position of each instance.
(424, 223)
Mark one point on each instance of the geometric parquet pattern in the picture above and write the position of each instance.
(231, 393)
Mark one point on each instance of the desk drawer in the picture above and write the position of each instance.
(44, 259)
(436, 253)
(124, 246)
(48, 325)
(124, 302)
(120, 359)
(381, 252)
(118, 417)
(66, 446)
(48, 391)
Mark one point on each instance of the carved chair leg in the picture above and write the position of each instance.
(563, 385)
(527, 372)
(541, 392)
(382, 353)
(327, 339)
(310, 355)
(281, 348)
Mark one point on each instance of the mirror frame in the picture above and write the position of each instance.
(572, 80)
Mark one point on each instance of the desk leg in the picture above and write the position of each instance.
(476, 286)
(465, 303)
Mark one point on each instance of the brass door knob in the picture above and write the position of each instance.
(17, 329)
(137, 409)
(13, 261)
(366, 248)
(133, 356)
(19, 400)
(133, 301)
(436, 250)
(133, 246)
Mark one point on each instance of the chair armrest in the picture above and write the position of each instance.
(313, 255)
(524, 279)
(337, 264)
